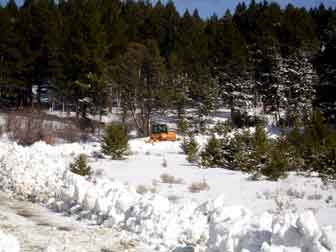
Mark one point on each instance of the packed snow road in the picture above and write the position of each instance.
(40, 173)
(29, 227)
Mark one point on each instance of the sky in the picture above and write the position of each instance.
(208, 7)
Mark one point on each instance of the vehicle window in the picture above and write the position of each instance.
(155, 129)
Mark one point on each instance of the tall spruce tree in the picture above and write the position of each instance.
(11, 58)
(140, 74)
(86, 47)
(326, 67)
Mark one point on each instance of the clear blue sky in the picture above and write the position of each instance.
(208, 7)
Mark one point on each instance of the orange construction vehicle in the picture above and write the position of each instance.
(160, 133)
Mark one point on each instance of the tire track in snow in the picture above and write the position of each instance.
(39, 229)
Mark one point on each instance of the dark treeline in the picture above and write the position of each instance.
(147, 58)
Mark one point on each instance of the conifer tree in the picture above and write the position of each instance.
(140, 73)
(86, 49)
(326, 67)
(11, 66)
(115, 141)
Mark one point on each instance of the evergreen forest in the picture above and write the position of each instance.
(145, 58)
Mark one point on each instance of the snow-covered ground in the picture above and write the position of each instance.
(8, 243)
(146, 166)
(109, 117)
(234, 214)
(33, 228)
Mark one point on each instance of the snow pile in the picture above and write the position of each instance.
(37, 171)
(102, 201)
(40, 172)
(235, 229)
(8, 243)
(156, 219)
(151, 217)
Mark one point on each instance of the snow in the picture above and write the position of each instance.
(235, 230)
(106, 118)
(39, 229)
(144, 168)
(215, 220)
(8, 243)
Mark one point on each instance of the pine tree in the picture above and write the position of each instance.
(180, 83)
(205, 95)
(140, 73)
(299, 79)
(190, 147)
(115, 141)
(212, 154)
(326, 68)
(171, 18)
(11, 58)
(192, 43)
(96, 91)
(229, 58)
(34, 25)
(85, 51)
(80, 166)
(114, 27)
(293, 36)
(221, 153)
(268, 69)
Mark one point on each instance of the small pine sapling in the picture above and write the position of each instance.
(276, 166)
(212, 154)
(222, 128)
(190, 147)
(183, 126)
(115, 141)
(80, 166)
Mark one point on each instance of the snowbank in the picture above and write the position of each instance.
(40, 172)
(8, 243)
(237, 230)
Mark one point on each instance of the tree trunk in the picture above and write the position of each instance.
(148, 122)
(77, 110)
(137, 123)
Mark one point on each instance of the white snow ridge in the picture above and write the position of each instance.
(40, 172)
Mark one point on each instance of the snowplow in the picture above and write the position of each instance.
(160, 132)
